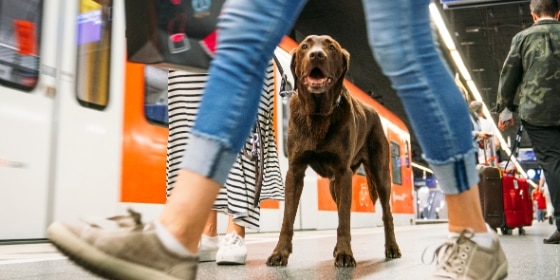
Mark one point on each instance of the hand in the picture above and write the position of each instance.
(483, 135)
(505, 119)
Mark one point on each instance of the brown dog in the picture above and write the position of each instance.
(333, 133)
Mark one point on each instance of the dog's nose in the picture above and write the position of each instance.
(317, 55)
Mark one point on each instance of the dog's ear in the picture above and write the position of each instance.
(345, 61)
(293, 69)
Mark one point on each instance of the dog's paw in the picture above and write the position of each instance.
(392, 251)
(344, 260)
(277, 259)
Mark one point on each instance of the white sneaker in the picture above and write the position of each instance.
(232, 250)
(207, 248)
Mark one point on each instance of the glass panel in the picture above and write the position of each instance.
(155, 92)
(396, 163)
(20, 33)
(94, 53)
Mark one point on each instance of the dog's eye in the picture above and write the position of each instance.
(304, 46)
(331, 47)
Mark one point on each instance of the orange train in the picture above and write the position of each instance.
(83, 131)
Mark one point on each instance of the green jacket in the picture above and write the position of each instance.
(532, 69)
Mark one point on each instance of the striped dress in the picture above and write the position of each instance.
(237, 196)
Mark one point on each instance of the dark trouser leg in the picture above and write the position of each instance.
(546, 143)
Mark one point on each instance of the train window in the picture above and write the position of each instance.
(396, 163)
(20, 33)
(155, 90)
(94, 52)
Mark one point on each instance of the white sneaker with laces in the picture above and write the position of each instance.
(207, 248)
(232, 250)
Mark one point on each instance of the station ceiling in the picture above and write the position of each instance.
(482, 34)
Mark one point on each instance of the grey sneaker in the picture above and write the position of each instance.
(462, 258)
(124, 251)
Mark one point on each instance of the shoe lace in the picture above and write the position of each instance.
(451, 256)
(233, 240)
(133, 220)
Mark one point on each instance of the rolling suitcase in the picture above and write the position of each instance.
(505, 199)
(490, 190)
(518, 208)
(518, 204)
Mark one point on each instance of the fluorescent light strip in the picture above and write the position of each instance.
(464, 72)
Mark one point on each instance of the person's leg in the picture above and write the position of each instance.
(546, 145)
(209, 240)
(549, 208)
(400, 35)
(233, 227)
(402, 42)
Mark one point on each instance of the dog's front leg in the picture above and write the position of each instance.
(294, 187)
(342, 188)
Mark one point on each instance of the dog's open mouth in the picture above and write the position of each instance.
(316, 81)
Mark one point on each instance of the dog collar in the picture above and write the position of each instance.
(288, 93)
(337, 103)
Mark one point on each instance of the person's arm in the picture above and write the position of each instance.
(510, 78)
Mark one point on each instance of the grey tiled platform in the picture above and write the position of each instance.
(312, 258)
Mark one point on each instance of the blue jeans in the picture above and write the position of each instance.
(248, 33)
(400, 36)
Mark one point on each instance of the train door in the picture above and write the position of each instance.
(28, 60)
(90, 108)
(402, 201)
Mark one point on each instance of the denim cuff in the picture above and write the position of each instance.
(208, 157)
(457, 174)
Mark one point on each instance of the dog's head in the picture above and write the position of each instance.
(319, 65)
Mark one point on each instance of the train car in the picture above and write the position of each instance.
(84, 132)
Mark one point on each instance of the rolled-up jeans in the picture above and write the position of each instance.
(400, 35)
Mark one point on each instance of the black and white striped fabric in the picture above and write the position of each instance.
(237, 196)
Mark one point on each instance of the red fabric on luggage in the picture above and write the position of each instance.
(518, 209)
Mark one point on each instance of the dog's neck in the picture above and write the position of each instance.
(290, 93)
(335, 106)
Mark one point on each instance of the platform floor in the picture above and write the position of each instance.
(312, 258)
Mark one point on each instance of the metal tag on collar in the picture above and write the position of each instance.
(288, 93)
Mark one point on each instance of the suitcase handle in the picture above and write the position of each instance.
(514, 148)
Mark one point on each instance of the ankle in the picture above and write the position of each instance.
(170, 242)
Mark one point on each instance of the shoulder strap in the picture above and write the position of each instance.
(286, 88)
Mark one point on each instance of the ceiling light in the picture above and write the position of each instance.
(472, 29)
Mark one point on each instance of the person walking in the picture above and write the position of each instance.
(238, 198)
(531, 70)
(549, 208)
(486, 143)
(539, 202)
(400, 36)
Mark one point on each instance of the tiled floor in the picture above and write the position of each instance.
(312, 257)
